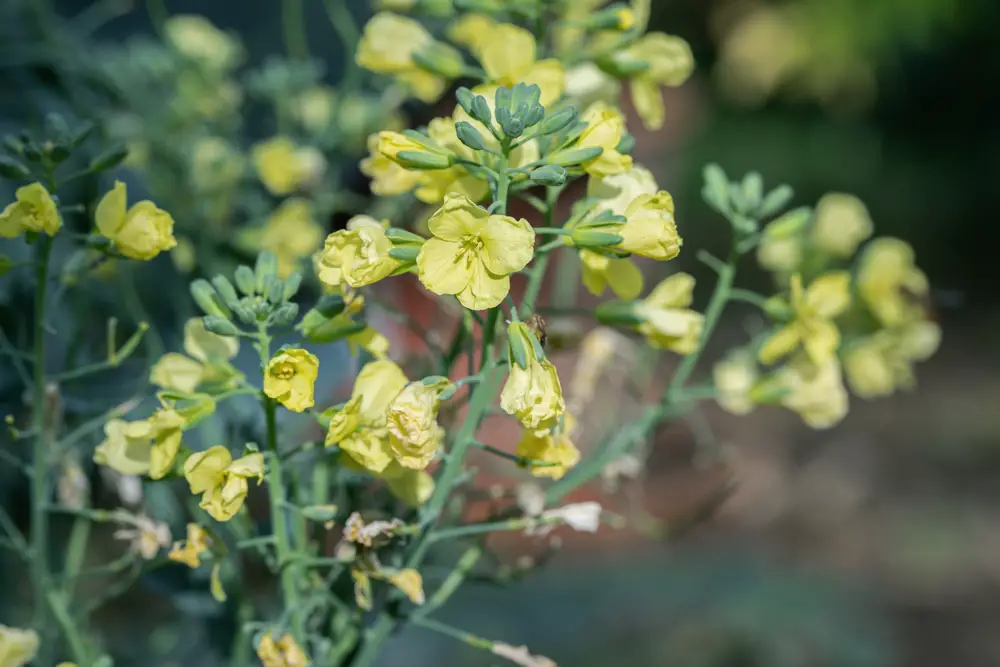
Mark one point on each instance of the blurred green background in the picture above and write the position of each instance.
(874, 544)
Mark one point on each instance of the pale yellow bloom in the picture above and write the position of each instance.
(291, 233)
(813, 311)
(17, 646)
(33, 211)
(883, 362)
(413, 487)
(547, 446)
(176, 372)
(142, 231)
(782, 244)
(587, 83)
(473, 253)
(388, 46)
(435, 185)
(469, 30)
(815, 392)
(508, 54)
(735, 377)
(221, 480)
(141, 447)
(605, 130)
(617, 191)
(314, 107)
(410, 582)
(284, 167)
(414, 433)
(388, 178)
(206, 346)
(285, 652)
(841, 224)
(890, 282)
(667, 320)
(599, 271)
(650, 230)
(670, 63)
(360, 428)
(357, 256)
(189, 551)
(195, 37)
(290, 377)
(532, 392)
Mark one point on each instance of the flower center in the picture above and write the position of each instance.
(472, 246)
(284, 371)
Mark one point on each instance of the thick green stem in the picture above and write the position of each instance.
(40, 464)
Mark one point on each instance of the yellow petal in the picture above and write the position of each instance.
(441, 268)
(215, 585)
(508, 244)
(822, 341)
(779, 345)
(625, 278)
(550, 77)
(648, 101)
(485, 289)
(251, 465)
(204, 345)
(677, 291)
(829, 295)
(377, 384)
(457, 218)
(176, 372)
(508, 53)
(204, 469)
(110, 212)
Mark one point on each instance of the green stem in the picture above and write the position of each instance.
(293, 21)
(39, 485)
(537, 272)
(454, 633)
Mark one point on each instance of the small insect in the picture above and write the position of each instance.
(537, 325)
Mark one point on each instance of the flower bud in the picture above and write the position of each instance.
(318, 329)
(207, 299)
(330, 305)
(572, 157)
(423, 160)
(109, 159)
(265, 269)
(292, 284)
(523, 344)
(556, 122)
(618, 312)
(778, 309)
(549, 174)
(585, 237)
(470, 136)
(441, 59)
(226, 291)
(245, 280)
(220, 326)
(775, 200)
(406, 253)
(716, 189)
(284, 315)
(622, 66)
(12, 169)
(615, 17)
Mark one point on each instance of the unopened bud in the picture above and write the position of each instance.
(618, 312)
(549, 174)
(245, 280)
(441, 59)
(265, 269)
(226, 291)
(556, 122)
(207, 299)
(584, 237)
(220, 326)
(470, 136)
(284, 315)
(406, 253)
(12, 169)
(423, 160)
(330, 305)
(572, 157)
(292, 284)
(523, 344)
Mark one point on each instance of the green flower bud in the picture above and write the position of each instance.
(403, 237)
(245, 280)
(292, 284)
(423, 160)
(225, 290)
(12, 144)
(12, 169)
(470, 136)
(330, 305)
(109, 159)
(194, 408)
(481, 111)
(627, 144)
(776, 200)
(584, 237)
(220, 325)
(322, 330)
(753, 190)
(6, 264)
(618, 313)
(523, 344)
(556, 122)
(622, 67)
(716, 189)
(207, 299)
(441, 59)
(406, 253)
(572, 157)
(265, 269)
(284, 315)
(81, 134)
(778, 309)
(549, 174)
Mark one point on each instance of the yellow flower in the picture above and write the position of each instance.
(650, 230)
(410, 582)
(532, 392)
(889, 281)
(546, 446)
(508, 54)
(189, 551)
(389, 45)
(781, 245)
(34, 211)
(290, 377)
(586, 83)
(667, 322)
(414, 433)
(670, 63)
(813, 311)
(473, 253)
(141, 232)
(357, 256)
(221, 480)
(599, 271)
(842, 223)
(617, 191)
(17, 646)
(176, 372)
(388, 178)
(291, 233)
(456, 180)
(360, 428)
(141, 447)
(284, 167)
(735, 377)
(371, 341)
(195, 37)
(314, 108)
(883, 362)
(285, 652)
(206, 346)
(605, 130)
(413, 487)
(469, 29)
(815, 392)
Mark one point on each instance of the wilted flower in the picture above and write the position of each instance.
(520, 655)
(410, 583)
(146, 536)
(290, 377)
(584, 517)
(414, 433)
(285, 652)
(366, 534)
(189, 551)
(357, 256)
(473, 253)
(34, 211)
(140, 232)
(221, 480)
(554, 449)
